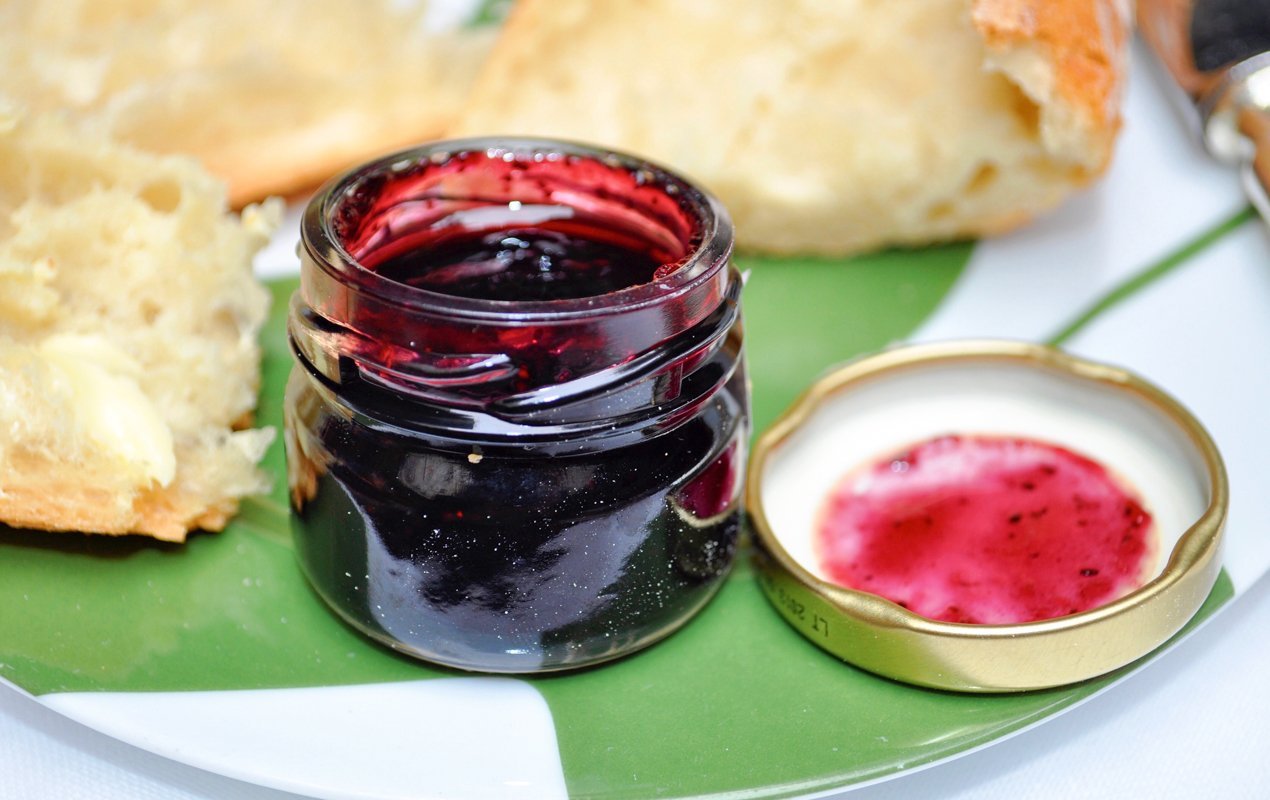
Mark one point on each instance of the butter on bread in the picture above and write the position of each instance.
(273, 97)
(827, 127)
(128, 324)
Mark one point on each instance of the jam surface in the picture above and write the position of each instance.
(988, 530)
(506, 227)
(531, 263)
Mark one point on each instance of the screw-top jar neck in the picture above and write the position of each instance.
(519, 277)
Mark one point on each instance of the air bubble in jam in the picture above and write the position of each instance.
(988, 530)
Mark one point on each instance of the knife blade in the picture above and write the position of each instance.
(1218, 55)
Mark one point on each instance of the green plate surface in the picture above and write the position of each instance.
(736, 702)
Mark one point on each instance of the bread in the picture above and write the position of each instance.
(128, 323)
(827, 127)
(273, 97)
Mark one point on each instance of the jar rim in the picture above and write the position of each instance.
(327, 251)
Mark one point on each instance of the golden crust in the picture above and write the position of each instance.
(1083, 44)
(166, 516)
(42, 493)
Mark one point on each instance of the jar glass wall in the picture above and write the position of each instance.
(517, 421)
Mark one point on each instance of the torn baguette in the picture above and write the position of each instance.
(827, 128)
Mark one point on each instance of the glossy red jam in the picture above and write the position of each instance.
(982, 529)
(524, 262)
(516, 426)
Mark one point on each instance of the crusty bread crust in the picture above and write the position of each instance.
(827, 128)
(51, 501)
(1080, 50)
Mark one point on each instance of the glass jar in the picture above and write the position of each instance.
(516, 424)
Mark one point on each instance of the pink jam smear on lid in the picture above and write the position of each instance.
(988, 530)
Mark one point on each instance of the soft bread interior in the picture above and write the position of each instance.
(827, 127)
(128, 324)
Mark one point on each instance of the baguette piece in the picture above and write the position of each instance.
(827, 127)
(273, 97)
(128, 323)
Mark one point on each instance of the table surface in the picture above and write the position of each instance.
(1193, 723)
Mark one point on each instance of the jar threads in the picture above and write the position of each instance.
(515, 485)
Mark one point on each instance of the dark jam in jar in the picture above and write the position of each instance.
(516, 427)
(524, 263)
(982, 529)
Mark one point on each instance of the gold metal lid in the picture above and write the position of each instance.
(883, 403)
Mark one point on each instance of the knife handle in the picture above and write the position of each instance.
(1228, 87)
(1235, 116)
(1255, 124)
(1166, 26)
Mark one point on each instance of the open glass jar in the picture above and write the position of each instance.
(516, 425)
